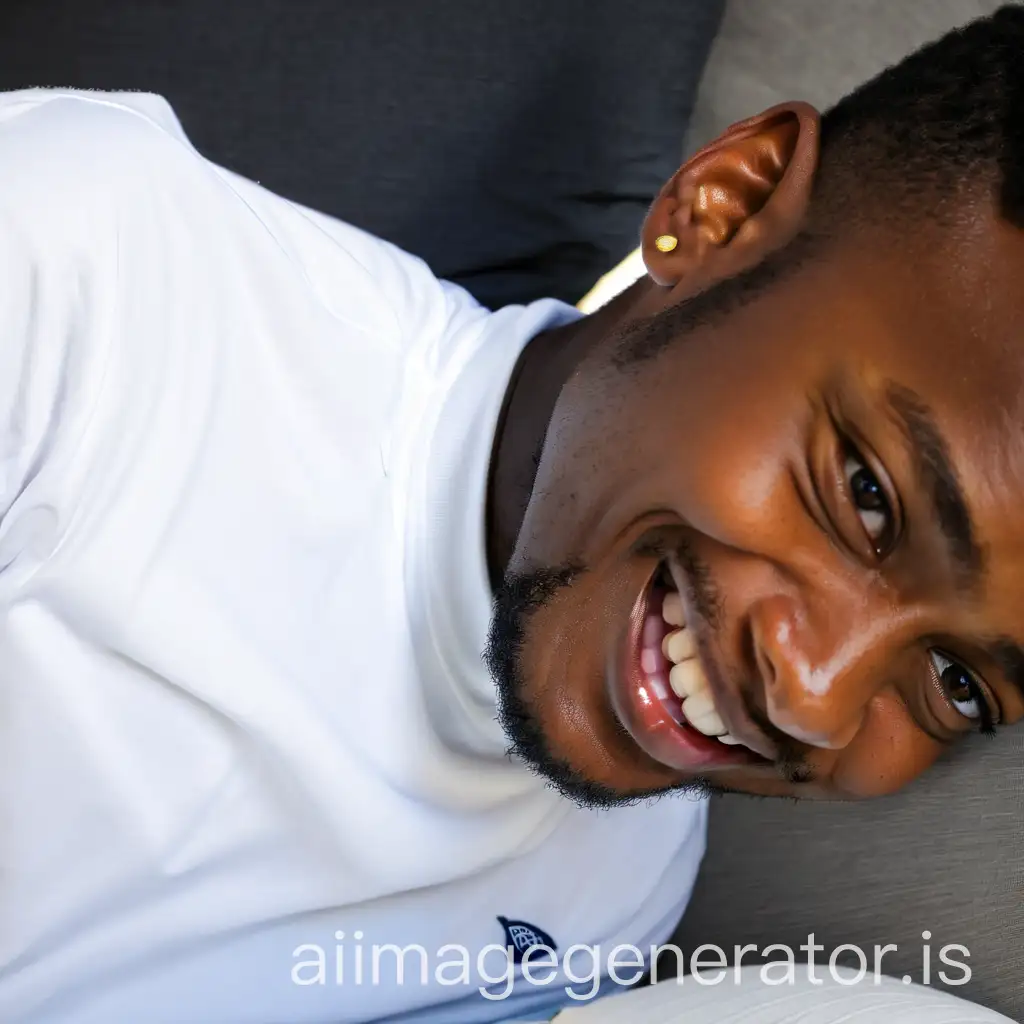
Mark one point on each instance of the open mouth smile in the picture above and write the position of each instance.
(661, 692)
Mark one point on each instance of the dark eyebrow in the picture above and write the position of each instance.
(934, 468)
(1009, 656)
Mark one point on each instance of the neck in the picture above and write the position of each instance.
(543, 368)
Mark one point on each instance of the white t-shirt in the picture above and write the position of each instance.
(244, 716)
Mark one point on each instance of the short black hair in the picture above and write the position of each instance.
(950, 114)
(947, 118)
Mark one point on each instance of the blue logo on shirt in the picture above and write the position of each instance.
(522, 936)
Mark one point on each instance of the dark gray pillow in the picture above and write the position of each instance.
(514, 144)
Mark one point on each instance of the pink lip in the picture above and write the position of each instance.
(647, 718)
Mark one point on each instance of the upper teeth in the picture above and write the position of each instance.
(679, 646)
(687, 678)
(672, 609)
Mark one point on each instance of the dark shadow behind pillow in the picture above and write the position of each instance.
(513, 145)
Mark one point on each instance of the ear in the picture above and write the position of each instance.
(734, 201)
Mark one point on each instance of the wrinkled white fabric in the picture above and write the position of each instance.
(243, 600)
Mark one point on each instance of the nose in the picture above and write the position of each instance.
(819, 675)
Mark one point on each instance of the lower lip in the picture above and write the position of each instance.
(648, 718)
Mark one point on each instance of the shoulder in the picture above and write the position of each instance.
(80, 120)
(67, 156)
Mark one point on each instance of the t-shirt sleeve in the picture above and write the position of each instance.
(71, 167)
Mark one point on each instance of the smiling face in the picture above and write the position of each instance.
(801, 516)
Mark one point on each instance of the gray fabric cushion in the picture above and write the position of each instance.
(806, 49)
(944, 856)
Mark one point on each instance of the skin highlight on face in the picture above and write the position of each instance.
(774, 546)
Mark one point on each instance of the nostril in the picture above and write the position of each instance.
(766, 668)
(759, 658)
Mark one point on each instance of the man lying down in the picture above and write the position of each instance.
(342, 615)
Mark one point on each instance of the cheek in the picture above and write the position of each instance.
(889, 752)
(733, 481)
(736, 436)
(563, 657)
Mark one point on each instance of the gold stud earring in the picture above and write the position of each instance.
(665, 243)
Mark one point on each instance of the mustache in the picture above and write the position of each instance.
(791, 759)
(704, 596)
(705, 599)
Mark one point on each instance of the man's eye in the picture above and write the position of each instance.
(964, 691)
(870, 500)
